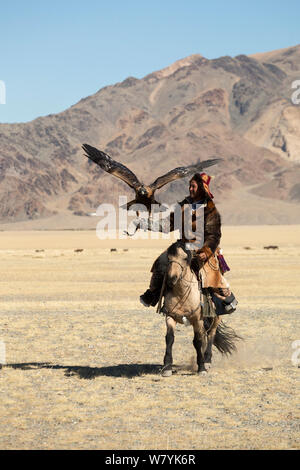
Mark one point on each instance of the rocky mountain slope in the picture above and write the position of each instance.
(238, 108)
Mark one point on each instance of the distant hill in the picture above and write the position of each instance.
(238, 108)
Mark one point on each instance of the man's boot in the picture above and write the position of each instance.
(224, 301)
(151, 296)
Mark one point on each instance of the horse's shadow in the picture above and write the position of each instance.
(85, 372)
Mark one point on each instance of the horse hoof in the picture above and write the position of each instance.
(166, 373)
(202, 373)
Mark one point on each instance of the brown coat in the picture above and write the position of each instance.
(209, 270)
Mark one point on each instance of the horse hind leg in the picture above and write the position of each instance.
(168, 358)
(210, 341)
(200, 344)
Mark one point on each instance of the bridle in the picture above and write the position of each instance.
(182, 268)
(184, 297)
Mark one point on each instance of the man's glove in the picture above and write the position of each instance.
(147, 224)
(140, 223)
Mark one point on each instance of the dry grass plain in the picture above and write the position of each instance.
(83, 356)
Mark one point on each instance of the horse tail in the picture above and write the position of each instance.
(225, 339)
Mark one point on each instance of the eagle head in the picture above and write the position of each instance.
(142, 191)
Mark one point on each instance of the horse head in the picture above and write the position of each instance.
(179, 259)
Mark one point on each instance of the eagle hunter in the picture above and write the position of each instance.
(144, 194)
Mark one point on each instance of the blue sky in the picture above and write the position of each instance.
(53, 53)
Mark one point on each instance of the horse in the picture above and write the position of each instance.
(182, 304)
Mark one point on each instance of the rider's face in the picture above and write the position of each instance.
(193, 189)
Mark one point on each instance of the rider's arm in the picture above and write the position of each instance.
(166, 224)
(156, 224)
(212, 231)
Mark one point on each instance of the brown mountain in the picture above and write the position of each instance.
(238, 108)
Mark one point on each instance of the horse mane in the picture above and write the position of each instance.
(172, 250)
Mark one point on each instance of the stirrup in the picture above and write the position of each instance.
(224, 306)
(230, 303)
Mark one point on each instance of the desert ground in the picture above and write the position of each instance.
(81, 356)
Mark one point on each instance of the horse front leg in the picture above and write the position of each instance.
(200, 344)
(211, 332)
(170, 336)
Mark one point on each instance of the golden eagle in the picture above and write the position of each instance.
(144, 194)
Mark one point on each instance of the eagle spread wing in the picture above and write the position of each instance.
(111, 166)
(182, 172)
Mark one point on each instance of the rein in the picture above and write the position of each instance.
(182, 271)
(184, 296)
(182, 268)
(180, 301)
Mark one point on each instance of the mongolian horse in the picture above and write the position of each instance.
(182, 304)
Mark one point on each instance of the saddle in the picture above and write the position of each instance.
(212, 303)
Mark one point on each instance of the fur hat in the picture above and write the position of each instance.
(203, 180)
